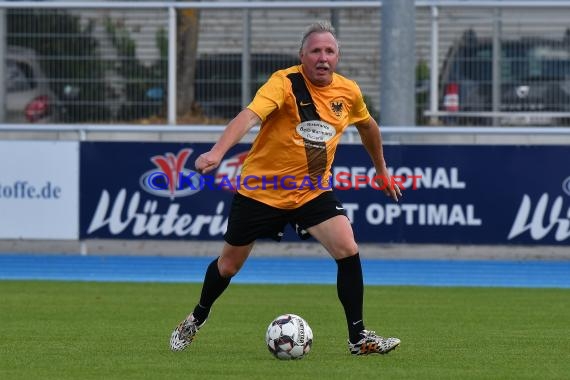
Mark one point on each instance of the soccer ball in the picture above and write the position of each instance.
(289, 337)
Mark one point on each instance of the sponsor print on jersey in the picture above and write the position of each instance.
(316, 131)
(315, 134)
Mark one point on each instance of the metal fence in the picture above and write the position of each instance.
(503, 65)
(478, 62)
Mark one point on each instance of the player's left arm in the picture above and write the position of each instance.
(372, 141)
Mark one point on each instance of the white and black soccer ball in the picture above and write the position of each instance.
(289, 337)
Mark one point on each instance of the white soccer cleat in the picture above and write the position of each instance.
(184, 334)
(370, 343)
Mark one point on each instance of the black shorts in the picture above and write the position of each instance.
(250, 220)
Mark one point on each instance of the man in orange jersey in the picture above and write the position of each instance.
(303, 111)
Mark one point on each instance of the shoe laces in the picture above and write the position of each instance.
(371, 335)
(188, 328)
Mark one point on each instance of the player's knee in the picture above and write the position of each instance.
(228, 268)
(346, 249)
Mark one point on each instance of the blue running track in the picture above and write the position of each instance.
(528, 274)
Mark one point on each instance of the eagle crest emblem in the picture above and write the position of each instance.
(337, 107)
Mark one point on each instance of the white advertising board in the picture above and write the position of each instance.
(39, 190)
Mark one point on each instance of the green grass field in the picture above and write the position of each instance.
(70, 330)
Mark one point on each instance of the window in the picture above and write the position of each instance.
(19, 77)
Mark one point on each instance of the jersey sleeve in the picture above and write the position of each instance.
(269, 97)
(359, 112)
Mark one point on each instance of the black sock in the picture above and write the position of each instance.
(213, 287)
(350, 289)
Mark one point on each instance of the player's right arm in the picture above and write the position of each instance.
(234, 132)
(268, 98)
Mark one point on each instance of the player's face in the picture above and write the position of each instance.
(319, 57)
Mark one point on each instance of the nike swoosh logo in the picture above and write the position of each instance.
(357, 322)
(339, 208)
(303, 104)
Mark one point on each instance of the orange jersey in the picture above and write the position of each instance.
(290, 160)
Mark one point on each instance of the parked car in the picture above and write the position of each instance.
(218, 80)
(29, 98)
(535, 78)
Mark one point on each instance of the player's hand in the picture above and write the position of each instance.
(206, 162)
(389, 187)
(394, 192)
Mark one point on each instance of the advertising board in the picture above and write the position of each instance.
(452, 194)
(39, 190)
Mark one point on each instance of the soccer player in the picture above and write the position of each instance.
(303, 111)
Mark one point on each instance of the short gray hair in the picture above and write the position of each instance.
(318, 27)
